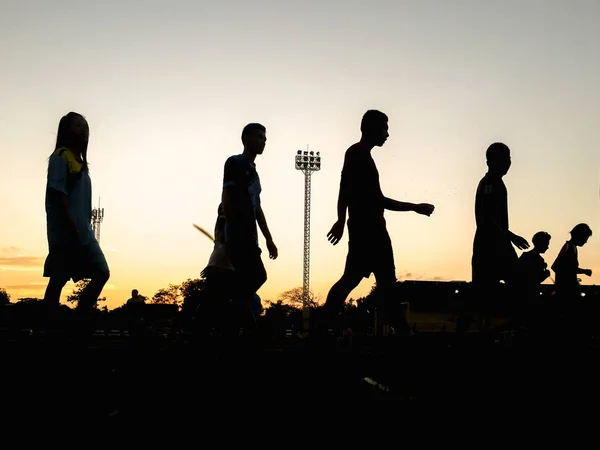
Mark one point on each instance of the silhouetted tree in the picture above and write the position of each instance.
(279, 308)
(4, 296)
(79, 288)
(191, 292)
(29, 300)
(168, 296)
(295, 297)
(191, 288)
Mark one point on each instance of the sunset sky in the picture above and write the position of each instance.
(167, 87)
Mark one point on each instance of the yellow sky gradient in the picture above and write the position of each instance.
(167, 91)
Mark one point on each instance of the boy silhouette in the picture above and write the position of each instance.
(568, 301)
(531, 264)
(494, 257)
(566, 265)
(532, 271)
(243, 212)
(369, 245)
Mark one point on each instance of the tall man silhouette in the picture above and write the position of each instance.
(369, 245)
(494, 257)
(243, 211)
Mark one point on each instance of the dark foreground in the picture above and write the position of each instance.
(69, 375)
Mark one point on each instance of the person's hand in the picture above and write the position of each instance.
(337, 231)
(520, 243)
(588, 272)
(424, 209)
(273, 253)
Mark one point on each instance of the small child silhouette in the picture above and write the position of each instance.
(531, 264)
(568, 301)
(532, 270)
(566, 266)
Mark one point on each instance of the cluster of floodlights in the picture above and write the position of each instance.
(98, 213)
(308, 160)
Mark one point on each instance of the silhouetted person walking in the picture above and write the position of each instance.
(369, 245)
(74, 252)
(566, 267)
(220, 276)
(494, 256)
(243, 211)
(532, 271)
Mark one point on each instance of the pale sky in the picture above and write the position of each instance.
(167, 87)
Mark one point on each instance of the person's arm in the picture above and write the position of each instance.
(262, 223)
(544, 272)
(395, 205)
(337, 230)
(346, 181)
(342, 204)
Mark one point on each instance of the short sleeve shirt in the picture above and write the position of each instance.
(67, 176)
(491, 217)
(241, 178)
(566, 264)
(531, 267)
(360, 182)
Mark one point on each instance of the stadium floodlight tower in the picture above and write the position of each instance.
(97, 218)
(307, 162)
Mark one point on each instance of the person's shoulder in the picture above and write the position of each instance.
(488, 185)
(61, 153)
(485, 187)
(526, 255)
(354, 153)
(68, 157)
(235, 162)
(236, 159)
(567, 248)
(355, 149)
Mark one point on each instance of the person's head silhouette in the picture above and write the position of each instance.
(541, 241)
(580, 234)
(498, 158)
(254, 138)
(374, 128)
(73, 133)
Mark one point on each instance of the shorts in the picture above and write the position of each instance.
(370, 251)
(249, 268)
(74, 261)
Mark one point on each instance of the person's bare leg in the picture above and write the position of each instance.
(89, 296)
(338, 294)
(53, 290)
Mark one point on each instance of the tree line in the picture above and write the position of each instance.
(189, 291)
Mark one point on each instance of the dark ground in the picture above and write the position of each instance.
(69, 376)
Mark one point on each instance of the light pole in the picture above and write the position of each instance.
(307, 162)
(97, 218)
